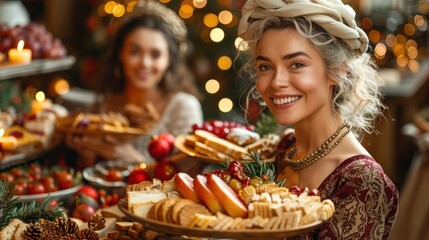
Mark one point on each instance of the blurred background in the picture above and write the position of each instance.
(76, 31)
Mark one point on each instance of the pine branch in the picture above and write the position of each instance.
(8, 201)
(32, 212)
(266, 125)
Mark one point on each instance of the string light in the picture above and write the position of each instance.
(212, 86)
(224, 63)
(225, 105)
(217, 35)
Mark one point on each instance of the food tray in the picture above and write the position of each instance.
(125, 134)
(179, 143)
(61, 194)
(173, 229)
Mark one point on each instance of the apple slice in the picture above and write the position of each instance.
(205, 195)
(227, 198)
(184, 184)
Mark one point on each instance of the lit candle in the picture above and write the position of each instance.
(19, 54)
(40, 103)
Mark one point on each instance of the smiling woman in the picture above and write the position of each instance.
(311, 69)
(144, 68)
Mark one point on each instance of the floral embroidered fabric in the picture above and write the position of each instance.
(365, 199)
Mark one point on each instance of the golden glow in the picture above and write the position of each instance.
(240, 44)
(225, 105)
(380, 51)
(390, 40)
(118, 10)
(210, 20)
(212, 86)
(225, 17)
(412, 52)
(409, 29)
(142, 165)
(423, 7)
(374, 36)
(419, 20)
(108, 7)
(414, 66)
(131, 5)
(402, 60)
(40, 96)
(399, 50)
(367, 23)
(61, 86)
(199, 3)
(401, 39)
(217, 35)
(411, 43)
(2, 131)
(186, 11)
(224, 62)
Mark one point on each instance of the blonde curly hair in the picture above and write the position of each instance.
(357, 96)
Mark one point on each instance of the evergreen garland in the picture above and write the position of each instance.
(28, 212)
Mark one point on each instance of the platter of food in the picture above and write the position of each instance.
(113, 124)
(195, 148)
(174, 229)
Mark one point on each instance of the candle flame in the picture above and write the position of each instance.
(20, 45)
(1, 132)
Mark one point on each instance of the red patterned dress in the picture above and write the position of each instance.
(366, 201)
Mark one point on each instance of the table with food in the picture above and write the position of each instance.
(238, 198)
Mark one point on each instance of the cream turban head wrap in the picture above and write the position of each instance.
(332, 15)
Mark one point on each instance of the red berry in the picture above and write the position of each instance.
(295, 190)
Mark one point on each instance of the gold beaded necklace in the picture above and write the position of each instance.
(322, 151)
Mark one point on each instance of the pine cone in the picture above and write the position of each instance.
(66, 225)
(48, 236)
(69, 236)
(87, 234)
(96, 222)
(34, 231)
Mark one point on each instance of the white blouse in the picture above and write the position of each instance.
(181, 113)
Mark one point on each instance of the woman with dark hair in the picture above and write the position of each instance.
(145, 68)
(310, 67)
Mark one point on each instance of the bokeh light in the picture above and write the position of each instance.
(225, 105)
(40, 96)
(380, 51)
(118, 10)
(212, 86)
(240, 44)
(186, 11)
(225, 17)
(224, 63)
(217, 35)
(199, 3)
(210, 20)
(61, 86)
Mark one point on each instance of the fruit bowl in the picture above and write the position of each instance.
(96, 176)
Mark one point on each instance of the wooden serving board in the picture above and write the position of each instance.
(250, 234)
